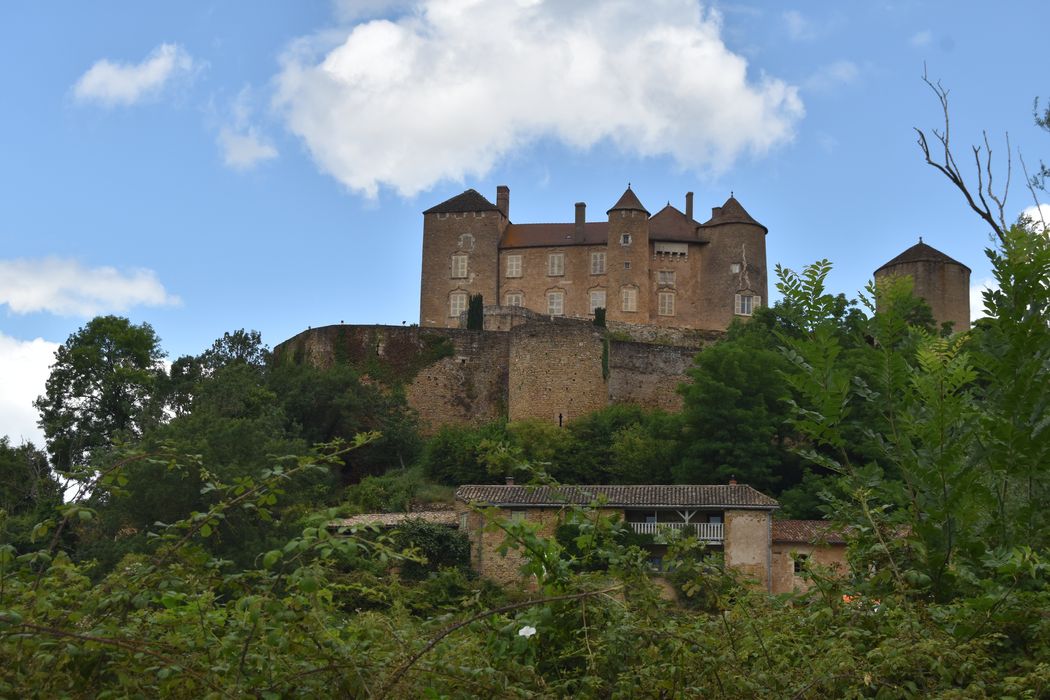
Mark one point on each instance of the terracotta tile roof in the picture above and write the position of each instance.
(673, 496)
(543, 235)
(732, 212)
(669, 224)
(435, 517)
(920, 252)
(629, 200)
(471, 200)
(807, 532)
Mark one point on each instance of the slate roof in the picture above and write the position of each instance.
(629, 200)
(543, 235)
(471, 200)
(671, 496)
(669, 224)
(732, 212)
(920, 252)
(807, 532)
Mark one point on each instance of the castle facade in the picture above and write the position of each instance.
(664, 270)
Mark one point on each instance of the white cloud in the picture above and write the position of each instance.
(243, 147)
(977, 290)
(242, 151)
(450, 89)
(832, 76)
(62, 286)
(1038, 217)
(126, 83)
(921, 39)
(797, 26)
(24, 368)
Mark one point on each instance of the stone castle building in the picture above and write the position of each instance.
(942, 282)
(665, 270)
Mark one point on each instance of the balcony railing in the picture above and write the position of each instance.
(709, 532)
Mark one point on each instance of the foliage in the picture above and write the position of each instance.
(103, 386)
(457, 454)
(396, 491)
(439, 545)
(476, 313)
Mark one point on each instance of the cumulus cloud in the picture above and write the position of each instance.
(449, 89)
(243, 146)
(24, 367)
(110, 83)
(832, 76)
(65, 287)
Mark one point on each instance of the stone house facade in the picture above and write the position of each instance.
(665, 269)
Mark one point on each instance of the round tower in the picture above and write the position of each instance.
(628, 260)
(943, 283)
(733, 265)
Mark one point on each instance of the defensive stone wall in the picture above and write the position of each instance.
(648, 375)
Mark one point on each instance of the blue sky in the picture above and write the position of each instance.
(213, 166)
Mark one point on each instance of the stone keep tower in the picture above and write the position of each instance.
(628, 260)
(733, 266)
(940, 281)
(461, 255)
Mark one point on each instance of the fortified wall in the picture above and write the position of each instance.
(523, 366)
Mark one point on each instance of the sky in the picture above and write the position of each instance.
(210, 166)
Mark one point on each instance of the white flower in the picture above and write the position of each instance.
(527, 631)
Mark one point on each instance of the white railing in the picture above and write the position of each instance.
(710, 532)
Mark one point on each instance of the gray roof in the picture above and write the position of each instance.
(807, 532)
(434, 517)
(921, 252)
(667, 496)
(471, 200)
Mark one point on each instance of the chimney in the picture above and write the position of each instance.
(510, 480)
(732, 480)
(716, 212)
(503, 199)
(581, 218)
(689, 205)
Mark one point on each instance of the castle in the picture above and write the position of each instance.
(664, 270)
(669, 284)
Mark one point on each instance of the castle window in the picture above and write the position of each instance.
(459, 266)
(479, 215)
(674, 251)
(747, 303)
(515, 299)
(597, 299)
(513, 266)
(457, 303)
(629, 299)
(627, 264)
(556, 303)
(666, 278)
(556, 264)
(734, 268)
(625, 239)
(665, 306)
(597, 263)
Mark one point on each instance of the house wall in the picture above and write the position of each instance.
(747, 544)
(785, 580)
(534, 282)
(474, 234)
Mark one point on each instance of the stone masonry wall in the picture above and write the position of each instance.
(647, 375)
(785, 580)
(747, 545)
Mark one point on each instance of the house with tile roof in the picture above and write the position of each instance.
(665, 269)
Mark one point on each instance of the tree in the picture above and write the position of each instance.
(29, 491)
(476, 313)
(102, 386)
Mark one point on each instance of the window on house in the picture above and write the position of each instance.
(517, 516)
(746, 304)
(556, 264)
(459, 266)
(515, 299)
(555, 303)
(665, 307)
(666, 278)
(463, 522)
(597, 263)
(457, 303)
(625, 239)
(734, 268)
(513, 266)
(800, 562)
(597, 299)
(629, 299)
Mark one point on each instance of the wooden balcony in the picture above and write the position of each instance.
(708, 532)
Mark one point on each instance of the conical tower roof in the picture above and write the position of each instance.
(628, 201)
(920, 252)
(732, 212)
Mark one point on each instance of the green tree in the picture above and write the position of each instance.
(103, 385)
(476, 313)
(29, 492)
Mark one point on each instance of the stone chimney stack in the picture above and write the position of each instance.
(509, 480)
(581, 219)
(503, 199)
(689, 205)
(716, 212)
